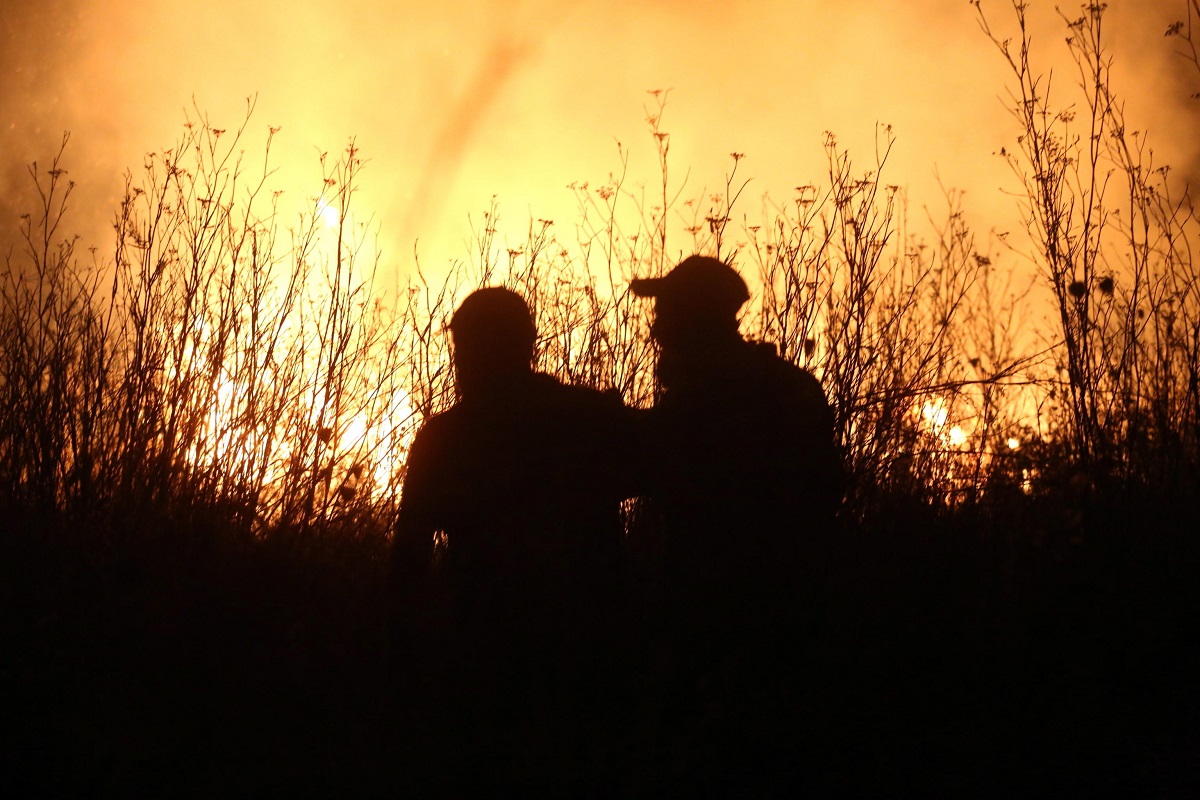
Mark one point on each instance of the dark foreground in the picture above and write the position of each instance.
(1039, 655)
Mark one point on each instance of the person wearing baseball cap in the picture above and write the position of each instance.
(703, 285)
(743, 478)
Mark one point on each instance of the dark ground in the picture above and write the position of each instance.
(1042, 654)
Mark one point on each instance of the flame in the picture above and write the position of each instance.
(364, 452)
(935, 414)
(289, 421)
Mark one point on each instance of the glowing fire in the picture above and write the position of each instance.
(360, 453)
(936, 415)
(308, 408)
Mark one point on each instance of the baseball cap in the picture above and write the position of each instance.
(701, 283)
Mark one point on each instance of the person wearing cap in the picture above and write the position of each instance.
(742, 480)
(523, 477)
(738, 434)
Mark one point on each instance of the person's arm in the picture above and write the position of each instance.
(623, 448)
(826, 472)
(416, 523)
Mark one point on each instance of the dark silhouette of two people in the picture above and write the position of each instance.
(557, 633)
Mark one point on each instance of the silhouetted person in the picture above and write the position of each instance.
(523, 476)
(742, 480)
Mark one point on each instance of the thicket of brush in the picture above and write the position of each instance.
(202, 430)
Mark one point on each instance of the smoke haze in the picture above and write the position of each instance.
(455, 102)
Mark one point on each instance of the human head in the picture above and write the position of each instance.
(493, 336)
(695, 303)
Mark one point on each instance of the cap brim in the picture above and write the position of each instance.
(646, 287)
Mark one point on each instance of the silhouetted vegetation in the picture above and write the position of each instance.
(203, 430)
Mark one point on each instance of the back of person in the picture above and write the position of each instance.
(746, 472)
(740, 440)
(523, 482)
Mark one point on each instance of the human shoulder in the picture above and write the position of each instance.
(435, 425)
(789, 386)
(784, 371)
(437, 436)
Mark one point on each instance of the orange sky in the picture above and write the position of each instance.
(455, 101)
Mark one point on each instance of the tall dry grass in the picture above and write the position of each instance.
(1112, 237)
(219, 356)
